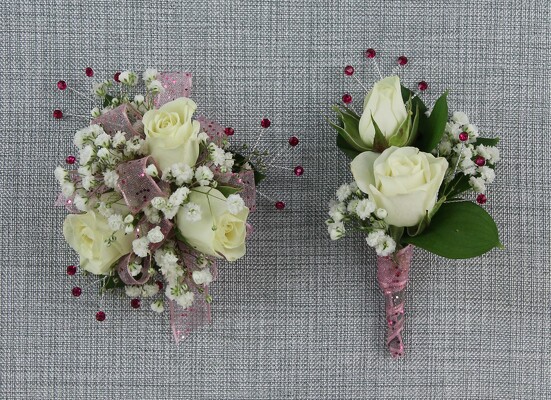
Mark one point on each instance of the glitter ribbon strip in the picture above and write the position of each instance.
(393, 276)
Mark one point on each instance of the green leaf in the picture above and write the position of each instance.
(349, 128)
(433, 128)
(258, 177)
(401, 137)
(112, 282)
(346, 148)
(459, 230)
(458, 185)
(380, 143)
(414, 128)
(228, 190)
(487, 141)
(107, 100)
(407, 95)
(418, 229)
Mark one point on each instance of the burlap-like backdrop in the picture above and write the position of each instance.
(299, 317)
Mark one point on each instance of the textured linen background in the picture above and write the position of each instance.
(300, 317)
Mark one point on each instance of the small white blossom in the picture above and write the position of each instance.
(158, 306)
(336, 230)
(85, 154)
(67, 189)
(102, 140)
(119, 139)
(487, 174)
(129, 229)
(88, 182)
(352, 205)
(110, 178)
(179, 196)
(152, 215)
(202, 277)
(235, 204)
(343, 192)
(150, 290)
(115, 222)
(385, 247)
(139, 99)
(365, 208)
(155, 86)
(192, 212)
(186, 299)
(133, 291)
(150, 74)
(151, 170)
(477, 184)
(128, 78)
(141, 247)
(80, 203)
(95, 112)
(129, 219)
(155, 235)
(460, 118)
(204, 175)
(217, 155)
(103, 153)
(100, 88)
(203, 136)
(134, 268)
(375, 237)
(159, 203)
(60, 174)
(229, 162)
(381, 213)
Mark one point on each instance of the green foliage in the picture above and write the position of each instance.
(432, 128)
(458, 230)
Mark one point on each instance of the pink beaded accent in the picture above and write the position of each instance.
(481, 198)
(135, 303)
(279, 205)
(61, 85)
(76, 291)
(346, 98)
(298, 170)
(349, 70)
(229, 131)
(89, 72)
(265, 123)
(422, 86)
(70, 160)
(116, 77)
(402, 60)
(57, 114)
(71, 270)
(370, 53)
(463, 136)
(293, 141)
(100, 316)
(480, 161)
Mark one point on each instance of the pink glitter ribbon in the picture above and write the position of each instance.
(124, 118)
(393, 276)
(136, 186)
(184, 320)
(175, 85)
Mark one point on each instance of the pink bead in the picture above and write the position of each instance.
(265, 123)
(463, 136)
(298, 170)
(346, 98)
(76, 291)
(402, 60)
(159, 285)
(89, 72)
(370, 53)
(61, 85)
(71, 270)
(116, 77)
(349, 70)
(279, 205)
(229, 131)
(423, 86)
(480, 161)
(293, 141)
(135, 303)
(70, 160)
(100, 316)
(481, 199)
(58, 114)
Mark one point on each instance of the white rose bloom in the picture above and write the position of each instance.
(202, 277)
(87, 234)
(402, 180)
(171, 134)
(385, 105)
(218, 233)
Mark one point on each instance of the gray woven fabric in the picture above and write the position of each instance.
(300, 317)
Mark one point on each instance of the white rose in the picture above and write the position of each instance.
(402, 180)
(171, 134)
(385, 104)
(228, 239)
(87, 234)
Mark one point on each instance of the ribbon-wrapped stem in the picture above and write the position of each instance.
(393, 275)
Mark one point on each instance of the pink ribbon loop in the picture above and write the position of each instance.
(136, 186)
(215, 131)
(124, 118)
(126, 276)
(175, 85)
(393, 276)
